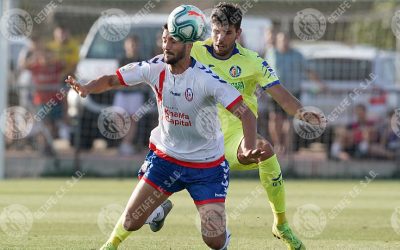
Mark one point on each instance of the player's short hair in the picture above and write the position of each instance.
(165, 26)
(227, 13)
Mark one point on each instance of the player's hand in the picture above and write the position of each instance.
(79, 88)
(248, 156)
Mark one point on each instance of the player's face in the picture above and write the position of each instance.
(173, 50)
(224, 38)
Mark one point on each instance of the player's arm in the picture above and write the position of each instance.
(249, 123)
(292, 106)
(285, 99)
(102, 84)
(128, 75)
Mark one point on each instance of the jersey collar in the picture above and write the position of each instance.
(193, 62)
(211, 51)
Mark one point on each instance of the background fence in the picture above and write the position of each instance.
(350, 45)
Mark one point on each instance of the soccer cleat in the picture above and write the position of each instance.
(156, 226)
(284, 233)
(108, 246)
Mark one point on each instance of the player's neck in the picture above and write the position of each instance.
(180, 66)
(225, 56)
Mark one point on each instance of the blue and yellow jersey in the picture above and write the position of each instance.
(244, 70)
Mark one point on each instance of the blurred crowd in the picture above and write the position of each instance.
(39, 72)
(43, 65)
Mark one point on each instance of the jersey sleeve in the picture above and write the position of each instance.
(265, 75)
(220, 90)
(137, 72)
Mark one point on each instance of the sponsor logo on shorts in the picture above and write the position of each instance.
(219, 195)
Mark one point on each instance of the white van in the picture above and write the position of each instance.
(353, 74)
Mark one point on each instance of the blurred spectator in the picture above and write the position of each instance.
(263, 99)
(355, 139)
(66, 50)
(46, 73)
(130, 99)
(388, 145)
(270, 42)
(158, 48)
(290, 67)
(24, 76)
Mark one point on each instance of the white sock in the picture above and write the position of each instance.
(157, 215)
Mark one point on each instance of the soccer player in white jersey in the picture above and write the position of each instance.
(182, 155)
(244, 69)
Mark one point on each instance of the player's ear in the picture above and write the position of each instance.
(188, 47)
(238, 33)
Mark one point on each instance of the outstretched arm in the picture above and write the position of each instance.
(292, 105)
(102, 84)
(285, 99)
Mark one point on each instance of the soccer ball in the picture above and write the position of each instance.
(187, 24)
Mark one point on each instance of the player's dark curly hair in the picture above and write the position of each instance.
(227, 14)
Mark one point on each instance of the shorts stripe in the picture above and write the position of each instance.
(216, 200)
(166, 157)
(155, 186)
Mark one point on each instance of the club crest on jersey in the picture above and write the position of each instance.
(189, 94)
(235, 71)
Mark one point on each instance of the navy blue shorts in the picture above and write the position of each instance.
(205, 185)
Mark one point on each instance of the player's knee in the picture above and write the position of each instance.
(215, 242)
(131, 223)
(218, 242)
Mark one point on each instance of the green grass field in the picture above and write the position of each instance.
(65, 216)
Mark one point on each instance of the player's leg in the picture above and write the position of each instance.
(144, 199)
(213, 225)
(144, 203)
(270, 177)
(272, 181)
(208, 187)
(158, 216)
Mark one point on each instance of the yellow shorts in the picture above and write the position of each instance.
(232, 143)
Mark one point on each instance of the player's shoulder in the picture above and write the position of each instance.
(151, 68)
(156, 62)
(206, 73)
(208, 42)
(158, 59)
(201, 45)
(248, 54)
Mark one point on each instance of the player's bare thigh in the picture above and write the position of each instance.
(141, 204)
(213, 224)
(262, 144)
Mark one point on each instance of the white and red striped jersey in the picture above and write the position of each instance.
(188, 132)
